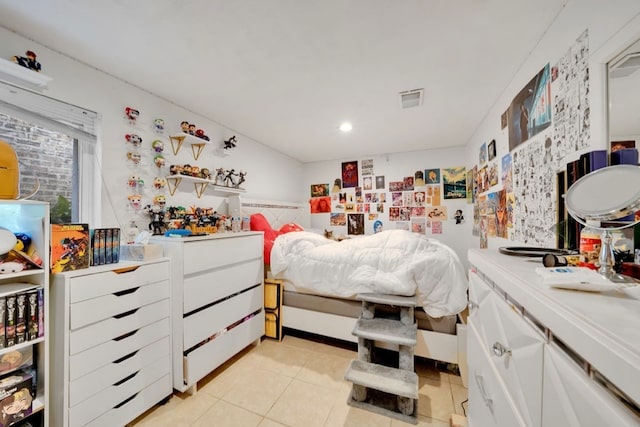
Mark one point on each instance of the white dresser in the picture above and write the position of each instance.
(548, 357)
(217, 300)
(111, 343)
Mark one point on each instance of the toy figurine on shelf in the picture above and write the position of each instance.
(133, 139)
(158, 160)
(159, 183)
(132, 114)
(192, 129)
(200, 134)
(158, 125)
(241, 178)
(186, 170)
(158, 146)
(205, 173)
(175, 170)
(220, 174)
(195, 171)
(28, 62)
(230, 143)
(157, 224)
(184, 126)
(230, 178)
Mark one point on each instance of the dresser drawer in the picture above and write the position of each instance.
(202, 324)
(210, 254)
(572, 398)
(489, 402)
(515, 348)
(99, 308)
(107, 398)
(89, 360)
(115, 326)
(132, 406)
(209, 356)
(88, 385)
(213, 285)
(108, 282)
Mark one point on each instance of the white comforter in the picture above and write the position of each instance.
(394, 262)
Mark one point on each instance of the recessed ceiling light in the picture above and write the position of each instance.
(346, 127)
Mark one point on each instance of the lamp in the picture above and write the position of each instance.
(606, 196)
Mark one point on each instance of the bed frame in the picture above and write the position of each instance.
(438, 346)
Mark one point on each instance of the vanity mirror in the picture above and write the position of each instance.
(601, 200)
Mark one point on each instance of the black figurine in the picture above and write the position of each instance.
(230, 143)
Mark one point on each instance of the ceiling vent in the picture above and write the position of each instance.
(628, 65)
(411, 98)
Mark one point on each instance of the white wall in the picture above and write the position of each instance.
(611, 28)
(271, 175)
(395, 167)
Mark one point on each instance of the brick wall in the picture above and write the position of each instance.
(42, 153)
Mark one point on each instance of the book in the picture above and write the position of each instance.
(70, 247)
(40, 312)
(3, 309)
(32, 314)
(108, 245)
(625, 156)
(21, 317)
(10, 321)
(116, 245)
(591, 161)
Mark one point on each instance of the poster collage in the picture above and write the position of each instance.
(525, 208)
(411, 203)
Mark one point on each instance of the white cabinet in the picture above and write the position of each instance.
(548, 357)
(32, 218)
(217, 300)
(111, 342)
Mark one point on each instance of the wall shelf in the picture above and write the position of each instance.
(200, 185)
(15, 73)
(197, 144)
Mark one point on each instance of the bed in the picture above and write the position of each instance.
(423, 266)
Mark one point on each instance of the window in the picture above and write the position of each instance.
(56, 147)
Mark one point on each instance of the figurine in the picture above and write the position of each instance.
(175, 170)
(159, 183)
(186, 170)
(160, 201)
(195, 171)
(192, 129)
(133, 139)
(135, 183)
(159, 161)
(28, 62)
(158, 125)
(200, 134)
(205, 174)
(241, 178)
(134, 157)
(184, 125)
(220, 176)
(135, 200)
(132, 114)
(158, 146)
(230, 178)
(230, 143)
(157, 224)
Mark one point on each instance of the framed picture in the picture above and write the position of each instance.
(349, 174)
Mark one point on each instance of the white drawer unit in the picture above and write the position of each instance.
(217, 295)
(540, 356)
(111, 330)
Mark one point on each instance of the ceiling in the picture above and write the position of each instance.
(286, 73)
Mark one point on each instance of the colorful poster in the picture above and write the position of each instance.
(454, 181)
(349, 174)
(433, 176)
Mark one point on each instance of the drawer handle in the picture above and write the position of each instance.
(127, 335)
(124, 402)
(124, 270)
(125, 314)
(499, 350)
(124, 380)
(123, 358)
(126, 292)
(483, 392)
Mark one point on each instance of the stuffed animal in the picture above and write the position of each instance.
(11, 267)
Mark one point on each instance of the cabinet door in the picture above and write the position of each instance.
(572, 399)
(514, 346)
(489, 402)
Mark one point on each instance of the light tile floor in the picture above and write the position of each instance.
(297, 382)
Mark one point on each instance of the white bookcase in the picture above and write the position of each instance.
(32, 218)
